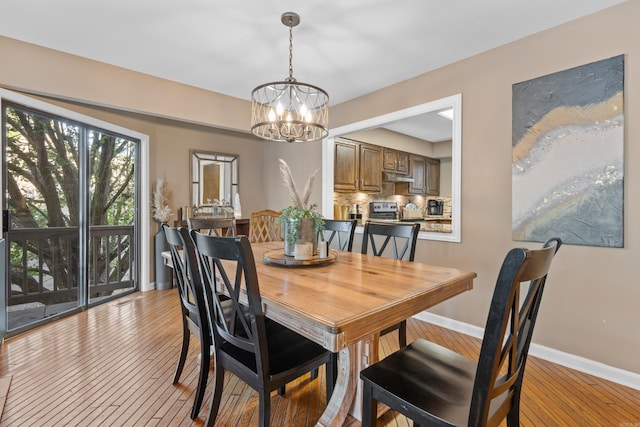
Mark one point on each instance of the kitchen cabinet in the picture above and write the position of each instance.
(357, 167)
(417, 168)
(432, 177)
(346, 166)
(395, 161)
(425, 172)
(370, 165)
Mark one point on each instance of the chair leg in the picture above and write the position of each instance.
(186, 336)
(402, 334)
(205, 360)
(216, 396)
(264, 417)
(369, 407)
(513, 416)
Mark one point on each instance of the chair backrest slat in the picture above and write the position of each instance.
(342, 231)
(404, 234)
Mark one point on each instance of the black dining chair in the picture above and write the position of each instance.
(342, 231)
(433, 385)
(262, 353)
(214, 226)
(193, 308)
(395, 241)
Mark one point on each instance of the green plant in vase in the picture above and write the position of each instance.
(301, 221)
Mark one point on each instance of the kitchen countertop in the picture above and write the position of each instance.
(437, 224)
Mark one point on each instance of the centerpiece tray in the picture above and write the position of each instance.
(277, 257)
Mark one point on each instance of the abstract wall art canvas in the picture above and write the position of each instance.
(568, 155)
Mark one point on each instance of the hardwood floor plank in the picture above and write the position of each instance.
(113, 365)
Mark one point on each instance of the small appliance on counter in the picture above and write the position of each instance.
(435, 206)
(356, 215)
(383, 210)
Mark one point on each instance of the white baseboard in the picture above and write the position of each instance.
(591, 367)
(148, 287)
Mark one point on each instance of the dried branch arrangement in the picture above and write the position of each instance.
(160, 208)
(299, 200)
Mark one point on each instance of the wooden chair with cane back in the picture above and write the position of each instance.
(264, 226)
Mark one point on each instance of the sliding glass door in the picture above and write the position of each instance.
(70, 197)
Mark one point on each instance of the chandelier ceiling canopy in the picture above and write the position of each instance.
(288, 110)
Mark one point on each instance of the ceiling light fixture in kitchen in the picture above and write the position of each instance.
(448, 113)
(289, 111)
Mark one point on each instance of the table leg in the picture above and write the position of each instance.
(367, 355)
(344, 390)
(347, 394)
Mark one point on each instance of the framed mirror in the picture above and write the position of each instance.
(214, 178)
(416, 122)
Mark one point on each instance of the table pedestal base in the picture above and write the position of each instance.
(347, 394)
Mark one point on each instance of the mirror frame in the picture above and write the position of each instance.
(197, 155)
(455, 102)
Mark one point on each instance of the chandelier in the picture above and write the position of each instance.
(289, 110)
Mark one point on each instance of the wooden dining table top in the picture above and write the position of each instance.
(339, 303)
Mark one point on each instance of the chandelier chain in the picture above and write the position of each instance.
(290, 52)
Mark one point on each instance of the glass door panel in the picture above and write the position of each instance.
(41, 195)
(112, 248)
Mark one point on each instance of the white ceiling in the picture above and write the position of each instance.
(347, 47)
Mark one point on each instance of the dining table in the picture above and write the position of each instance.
(344, 301)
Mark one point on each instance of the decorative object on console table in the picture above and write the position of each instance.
(161, 213)
(301, 222)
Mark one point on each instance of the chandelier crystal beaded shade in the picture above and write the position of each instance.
(289, 111)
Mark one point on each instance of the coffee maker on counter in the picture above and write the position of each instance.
(435, 207)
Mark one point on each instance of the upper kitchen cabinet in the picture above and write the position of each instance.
(417, 170)
(395, 161)
(425, 172)
(432, 177)
(370, 165)
(346, 166)
(357, 167)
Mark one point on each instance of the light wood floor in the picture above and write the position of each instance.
(113, 365)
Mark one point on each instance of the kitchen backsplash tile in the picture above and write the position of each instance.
(387, 195)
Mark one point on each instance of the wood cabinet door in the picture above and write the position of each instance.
(402, 162)
(432, 177)
(395, 161)
(417, 169)
(370, 168)
(346, 166)
(389, 160)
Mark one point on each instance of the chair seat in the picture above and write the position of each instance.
(427, 376)
(287, 350)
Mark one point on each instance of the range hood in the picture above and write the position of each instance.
(394, 177)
